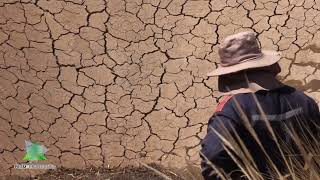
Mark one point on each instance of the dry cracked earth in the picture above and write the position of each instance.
(108, 83)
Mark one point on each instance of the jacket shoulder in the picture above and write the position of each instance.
(222, 102)
(226, 103)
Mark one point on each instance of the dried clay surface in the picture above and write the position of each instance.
(108, 83)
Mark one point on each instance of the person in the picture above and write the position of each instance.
(247, 79)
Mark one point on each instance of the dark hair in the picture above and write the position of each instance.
(237, 80)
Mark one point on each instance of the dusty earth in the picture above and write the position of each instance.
(128, 173)
(106, 83)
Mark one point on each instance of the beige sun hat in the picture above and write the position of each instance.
(242, 51)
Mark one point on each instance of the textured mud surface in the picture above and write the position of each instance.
(108, 83)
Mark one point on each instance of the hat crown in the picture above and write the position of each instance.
(238, 48)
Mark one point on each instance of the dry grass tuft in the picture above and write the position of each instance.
(302, 166)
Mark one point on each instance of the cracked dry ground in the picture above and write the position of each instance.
(108, 83)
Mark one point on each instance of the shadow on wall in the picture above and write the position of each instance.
(313, 85)
(313, 47)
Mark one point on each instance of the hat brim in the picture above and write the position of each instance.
(268, 58)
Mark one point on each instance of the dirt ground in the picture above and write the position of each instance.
(131, 173)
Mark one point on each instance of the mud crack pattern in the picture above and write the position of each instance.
(112, 82)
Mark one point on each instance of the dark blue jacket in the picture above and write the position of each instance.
(283, 106)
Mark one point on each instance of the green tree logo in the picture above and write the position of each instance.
(34, 151)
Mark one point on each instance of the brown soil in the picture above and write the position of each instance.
(131, 173)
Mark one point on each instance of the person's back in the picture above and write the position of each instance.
(283, 108)
(277, 114)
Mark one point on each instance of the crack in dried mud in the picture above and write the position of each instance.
(108, 83)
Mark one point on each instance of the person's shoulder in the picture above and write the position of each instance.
(297, 93)
(222, 102)
(300, 96)
(227, 103)
(228, 107)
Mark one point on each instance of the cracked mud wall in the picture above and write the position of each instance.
(112, 82)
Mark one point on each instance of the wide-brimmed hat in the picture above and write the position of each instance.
(242, 51)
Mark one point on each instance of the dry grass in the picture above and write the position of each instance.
(307, 143)
(302, 166)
